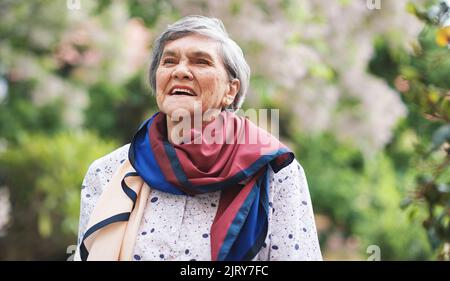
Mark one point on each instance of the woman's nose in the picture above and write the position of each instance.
(182, 72)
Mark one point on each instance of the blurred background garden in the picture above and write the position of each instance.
(362, 88)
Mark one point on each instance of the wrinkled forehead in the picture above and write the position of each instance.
(193, 44)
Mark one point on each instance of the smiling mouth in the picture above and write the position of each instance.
(182, 92)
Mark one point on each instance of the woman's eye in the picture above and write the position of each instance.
(168, 61)
(202, 61)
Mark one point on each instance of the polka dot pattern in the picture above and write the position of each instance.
(183, 233)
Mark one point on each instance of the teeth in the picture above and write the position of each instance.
(182, 90)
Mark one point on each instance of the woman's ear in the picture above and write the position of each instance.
(234, 87)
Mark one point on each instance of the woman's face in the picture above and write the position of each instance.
(191, 71)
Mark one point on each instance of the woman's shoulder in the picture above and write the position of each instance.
(113, 158)
(292, 168)
(291, 175)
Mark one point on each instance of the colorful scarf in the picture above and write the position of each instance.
(237, 166)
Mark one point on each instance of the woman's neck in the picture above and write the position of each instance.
(178, 130)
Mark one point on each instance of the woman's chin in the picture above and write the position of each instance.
(176, 111)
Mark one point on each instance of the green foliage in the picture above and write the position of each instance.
(150, 14)
(432, 62)
(383, 223)
(20, 115)
(425, 72)
(334, 172)
(44, 175)
(361, 196)
(44, 164)
(20, 26)
(117, 111)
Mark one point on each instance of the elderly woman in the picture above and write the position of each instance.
(177, 194)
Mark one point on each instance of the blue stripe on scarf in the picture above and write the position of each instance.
(128, 191)
(250, 224)
(145, 164)
(242, 175)
(116, 218)
(249, 228)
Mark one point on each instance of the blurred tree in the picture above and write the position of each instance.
(361, 196)
(64, 70)
(116, 111)
(73, 69)
(422, 77)
(20, 115)
(44, 174)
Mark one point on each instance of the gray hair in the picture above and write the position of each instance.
(232, 55)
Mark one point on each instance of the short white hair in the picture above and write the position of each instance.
(232, 55)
